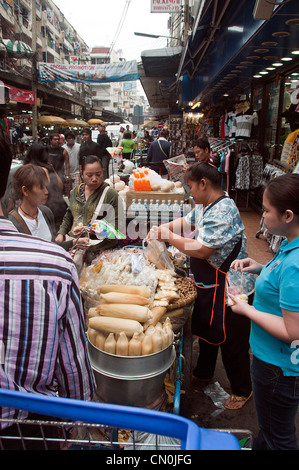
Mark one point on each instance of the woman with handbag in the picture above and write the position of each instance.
(90, 201)
(218, 240)
(32, 216)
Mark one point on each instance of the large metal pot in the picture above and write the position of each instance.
(130, 380)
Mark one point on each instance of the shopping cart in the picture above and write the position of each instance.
(144, 428)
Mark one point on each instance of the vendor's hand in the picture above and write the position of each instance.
(59, 238)
(247, 265)
(81, 242)
(79, 230)
(240, 306)
(186, 167)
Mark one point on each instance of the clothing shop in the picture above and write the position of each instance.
(243, 95)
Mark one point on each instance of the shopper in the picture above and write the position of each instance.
(88, 147)
(104, 142)
(128, 146)
(73, 149)
(59, 157)
(219, 239)
(32, 216)
(83, 203)
(42, 329)
(158, 151)
(274, 319)
(38, 155)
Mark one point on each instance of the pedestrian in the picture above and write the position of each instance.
(104, 141)
(73, 149)
(120, 135)
(202, 152)
(42, 327)
(92, 200)
(59, 158)
(158, 151)
(88, 147)
(38, 155)
(274, 318)
(128, 146)
(218, 240)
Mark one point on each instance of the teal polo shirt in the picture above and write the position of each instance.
(277, 287)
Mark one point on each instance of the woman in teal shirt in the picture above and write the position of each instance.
(274, 317)
(128, 145)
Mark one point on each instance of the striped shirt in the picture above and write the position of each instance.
(42, 330)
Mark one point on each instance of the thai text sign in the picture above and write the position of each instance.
(165, 6)
(98, 73)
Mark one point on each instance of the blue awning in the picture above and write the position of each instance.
(236, 47)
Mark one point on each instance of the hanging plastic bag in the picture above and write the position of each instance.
(157, 254)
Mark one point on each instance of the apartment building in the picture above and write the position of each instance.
(56, 42)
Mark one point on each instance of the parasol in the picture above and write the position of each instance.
(150, 123)
(51, 120)
(77, 123)
(96, 121)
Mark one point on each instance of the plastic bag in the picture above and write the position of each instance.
(157, 254)
(102, 229)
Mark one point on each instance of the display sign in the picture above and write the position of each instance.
(23, 119)
(165, 6)
(97, 73)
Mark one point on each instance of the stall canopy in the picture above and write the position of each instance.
(51, 121)
(229, 47)
(157, 73)
(77, 123)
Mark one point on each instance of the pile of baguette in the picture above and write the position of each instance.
(123, 324)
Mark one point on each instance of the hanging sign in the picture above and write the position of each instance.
(23, 119)
(98, 73)
(165, 6)
(21, 96)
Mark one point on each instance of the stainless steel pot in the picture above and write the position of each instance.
(130, 380)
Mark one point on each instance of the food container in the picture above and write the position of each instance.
(130, 380)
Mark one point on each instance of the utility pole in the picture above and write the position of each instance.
(34, 71)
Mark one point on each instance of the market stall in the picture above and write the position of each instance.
(137, 307)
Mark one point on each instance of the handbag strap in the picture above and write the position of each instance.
(100, 203)
(162, 149)
(21, 221)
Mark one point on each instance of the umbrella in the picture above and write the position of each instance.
(151, 123)
(77, 123)
(51, 120)
(96, 121)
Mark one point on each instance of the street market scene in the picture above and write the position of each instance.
(149, 227)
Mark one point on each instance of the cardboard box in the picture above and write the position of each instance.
(155, 195)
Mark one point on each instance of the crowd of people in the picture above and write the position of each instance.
(40, 233)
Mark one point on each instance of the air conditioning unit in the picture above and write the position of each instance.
(263, 9)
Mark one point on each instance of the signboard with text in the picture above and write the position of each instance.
(165, 6)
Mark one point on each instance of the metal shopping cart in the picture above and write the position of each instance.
(103, 425)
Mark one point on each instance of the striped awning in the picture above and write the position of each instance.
(17, 47)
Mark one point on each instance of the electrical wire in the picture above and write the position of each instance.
(120, 25)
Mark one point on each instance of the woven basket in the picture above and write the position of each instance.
(187, 291)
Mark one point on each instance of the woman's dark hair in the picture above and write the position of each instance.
(28, 176)
(201, 170)
(90, 159)
(37, 155)
(283, 193)
(127, 135)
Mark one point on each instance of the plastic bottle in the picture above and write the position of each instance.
(170, 210)
(132, 209)
(163, 212)
(151, 212)
(182, 209)
(176, 210)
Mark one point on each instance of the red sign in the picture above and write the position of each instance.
(23, 119)
(21, 96)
